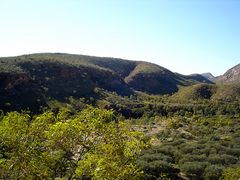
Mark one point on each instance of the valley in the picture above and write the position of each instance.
(65, 113)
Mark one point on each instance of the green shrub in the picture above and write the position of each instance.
(158, 167)
(228, 159)
(192, 158)
(194, 169)
(213, 172)
(216, 159)
(231, 174)
(155, 157)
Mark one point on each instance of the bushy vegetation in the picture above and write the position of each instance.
(198, 141)
(59, 75)
(200, 148)
(195, 92)
(92, 143)
(83, 117)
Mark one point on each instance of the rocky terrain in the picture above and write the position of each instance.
(209, 76)
(231, 76)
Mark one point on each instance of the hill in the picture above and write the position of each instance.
(227, 93)
(32, 80)
(209, 76)
(231, 76)
(214, 92)
(195, 92)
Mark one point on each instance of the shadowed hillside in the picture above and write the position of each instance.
(32, 80)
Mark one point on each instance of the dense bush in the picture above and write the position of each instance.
(231, 173)
(194, 169)
(213, 147)
(213, 172)
(91, 143)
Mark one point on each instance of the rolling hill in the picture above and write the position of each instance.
(196, 92)
(32, 80)
(214, 92)
(227, 93)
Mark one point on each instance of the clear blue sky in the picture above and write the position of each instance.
(185, 36)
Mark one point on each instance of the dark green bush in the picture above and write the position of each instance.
(228, 159)
(213, 172)
(155, 157)
(192, 158)
(216, 159)
(194, 169)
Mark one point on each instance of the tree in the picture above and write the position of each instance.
(92, 143)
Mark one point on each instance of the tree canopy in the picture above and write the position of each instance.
(92, 144)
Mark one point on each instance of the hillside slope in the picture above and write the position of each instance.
(195, 92)
(227, 93)
(231, 76)
(214, 92)
(31, 80)
(209, 76)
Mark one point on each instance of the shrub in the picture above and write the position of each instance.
(157, 156)
(213, 172)
(216, 159)
(158, 167)
(194, 169)
(192, 158)
(231, 174)
(228, 159)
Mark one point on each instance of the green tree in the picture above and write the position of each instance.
(92, 143)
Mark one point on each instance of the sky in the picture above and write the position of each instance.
(185, 36)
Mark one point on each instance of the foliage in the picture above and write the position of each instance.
(198, 147)
(195, 131)
(194, 169)
(59, 76)
(91, 143)
(195, 92)
(231, 174)
(213, 172)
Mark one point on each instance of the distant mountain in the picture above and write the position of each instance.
(209, 76)
(31, 80)
(231, 76)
